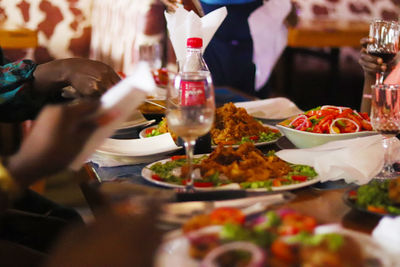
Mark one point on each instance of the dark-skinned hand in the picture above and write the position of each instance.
(87, 77)
(370, 64)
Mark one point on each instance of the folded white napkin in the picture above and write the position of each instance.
(272, 108)
(387, 234)
(117, 152)
(139, 147)
(269, 34)
(124, 97)
(184, 24)
(355, 160)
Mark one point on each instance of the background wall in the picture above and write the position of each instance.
(64, 26)
(349, 9)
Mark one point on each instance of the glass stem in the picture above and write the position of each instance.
(189, 148)
(379, 77)
(387, 160)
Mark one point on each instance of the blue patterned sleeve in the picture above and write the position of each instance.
(15, 77)
(17, 102)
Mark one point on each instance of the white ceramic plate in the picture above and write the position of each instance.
(175, 250)
(147, 175)
(138, 150)
(279, 108)
(142, 134)
(303, 139)
(129, 159)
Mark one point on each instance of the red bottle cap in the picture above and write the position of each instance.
(194, 42)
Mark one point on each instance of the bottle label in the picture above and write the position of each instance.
(192, 93)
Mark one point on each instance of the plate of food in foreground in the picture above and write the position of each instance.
(226, 237)
(232, 126)
(325, 124)
(243, 168)
(377, 197)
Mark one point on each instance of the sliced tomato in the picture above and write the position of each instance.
(376, 209)
(294, 223)
(176, 157)
(156, 177)
(317, 129)
(149, 130)
(301, 123)
(300, 178)
(121, 74)
(225, 215)
(353, 194)
(366, 125)
(254, 138)
(203, 184)
(364, 115)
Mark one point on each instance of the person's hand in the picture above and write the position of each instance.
(171, 5)
(87, 77)
(370, 64)
(112, 240)
(292, 19)
(57, 137)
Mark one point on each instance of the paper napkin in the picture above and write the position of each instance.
(124, 97)
(184, 24)
(387, 234)
(139, 147)
(117, 152)
(269, 34)
(272, 108)
(355, 160)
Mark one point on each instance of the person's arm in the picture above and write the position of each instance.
(26, 87)
(59, 134)
(16, 99)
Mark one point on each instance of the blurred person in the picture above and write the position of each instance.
(25, 87)
(371, 65)
(229, 54)
(57, 137)
(114, 239)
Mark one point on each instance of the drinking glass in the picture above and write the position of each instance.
(386, 42)
(151, 53)
(190, 113)
(385, 118)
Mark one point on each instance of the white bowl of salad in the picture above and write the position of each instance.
(325, 124)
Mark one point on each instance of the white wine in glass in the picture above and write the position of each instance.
(385, 118)
(190, 111)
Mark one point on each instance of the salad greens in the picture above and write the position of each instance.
(375, 197)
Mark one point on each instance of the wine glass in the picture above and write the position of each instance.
(386, 42)
(385, 118)
(190, 112)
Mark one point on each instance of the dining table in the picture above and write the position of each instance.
(324, 201)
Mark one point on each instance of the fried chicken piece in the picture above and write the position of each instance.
(232, 124)
(245, 164)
